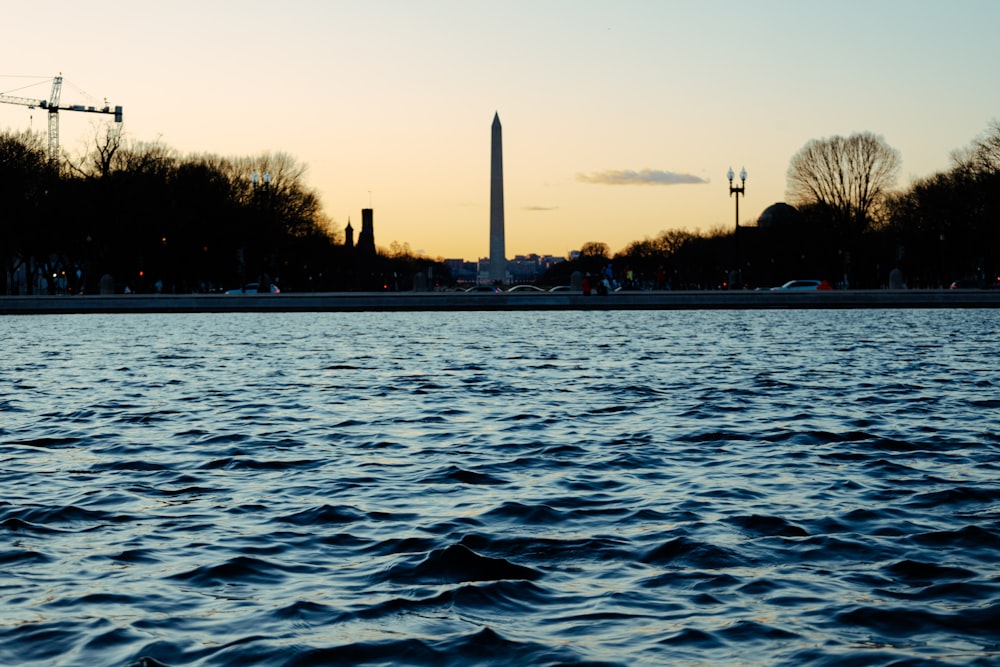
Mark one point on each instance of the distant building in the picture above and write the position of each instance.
(521, 269)
(462, 272)
(489, 272)
(366, 239)
(525, 268)
(349, 235)
(778, 215)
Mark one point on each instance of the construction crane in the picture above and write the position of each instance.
(53, 107)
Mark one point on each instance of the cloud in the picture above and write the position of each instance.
(643, 177)
(539, 208)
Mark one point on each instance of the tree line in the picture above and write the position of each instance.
(847, 225)
(150, 220)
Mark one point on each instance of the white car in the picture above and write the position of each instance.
(800, 285)
(251, 288)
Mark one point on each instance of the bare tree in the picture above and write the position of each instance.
(26, 175)
(595, 250)
(144, 158)
(279, 172)
(850, 177)
(101, 159)
(982, 158)
(653, 251)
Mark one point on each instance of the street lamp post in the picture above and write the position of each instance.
(737, 190)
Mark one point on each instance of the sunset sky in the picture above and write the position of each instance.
(620, 118)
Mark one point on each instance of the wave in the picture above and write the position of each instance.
(457, 563)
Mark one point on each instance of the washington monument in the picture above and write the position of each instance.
(498, 259)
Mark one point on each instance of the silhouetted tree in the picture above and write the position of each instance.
(947, 226)
(26, 182)
(703, 261)
(100, 160)
(595, 250)
(846, 181)
(594, 256)
(849, 176)
(655, 257)
(398, 265)
(983, 156)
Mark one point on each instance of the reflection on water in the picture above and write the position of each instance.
(634, 488)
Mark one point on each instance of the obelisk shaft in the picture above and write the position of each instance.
(498, 259)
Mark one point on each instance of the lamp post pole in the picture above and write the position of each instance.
(737, 190)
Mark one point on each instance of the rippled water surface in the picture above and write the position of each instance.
(522, 488)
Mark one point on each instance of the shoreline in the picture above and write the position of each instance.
(460, 301)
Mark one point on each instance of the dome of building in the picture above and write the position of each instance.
(778, 215)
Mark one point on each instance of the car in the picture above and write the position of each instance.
(525, 288)
(487, 289)
(803, 285)
(975, 283)
(252, 288)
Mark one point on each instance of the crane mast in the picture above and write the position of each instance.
(53, 107)
(54, 118)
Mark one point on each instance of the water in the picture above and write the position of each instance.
(530, 488)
